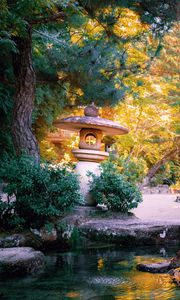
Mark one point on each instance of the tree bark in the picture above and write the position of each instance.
(23, 137)
(155, 168)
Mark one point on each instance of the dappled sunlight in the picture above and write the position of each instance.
(146, 285)
(73, 295)
(100, 264)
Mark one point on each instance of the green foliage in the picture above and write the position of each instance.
(91, 67)
(112, 189)
(42, 192)
(132, 169)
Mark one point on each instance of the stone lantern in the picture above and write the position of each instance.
(91, 129)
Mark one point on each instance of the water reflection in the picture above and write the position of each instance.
(107, 274)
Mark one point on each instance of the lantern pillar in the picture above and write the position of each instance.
(89, 156)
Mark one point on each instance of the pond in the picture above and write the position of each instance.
(103, 273)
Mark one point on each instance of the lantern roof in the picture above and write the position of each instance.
(91, 120)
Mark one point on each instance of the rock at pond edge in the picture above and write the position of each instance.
(175, 275)
(20, 260)
(154, 268)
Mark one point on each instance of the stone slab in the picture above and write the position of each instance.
(131, 231)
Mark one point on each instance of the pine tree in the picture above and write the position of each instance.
(23, 22)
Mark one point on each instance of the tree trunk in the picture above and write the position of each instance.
(23, 137)
(155, 168)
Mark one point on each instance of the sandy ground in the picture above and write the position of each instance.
(158, 207)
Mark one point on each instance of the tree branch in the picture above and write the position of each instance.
(42, 20)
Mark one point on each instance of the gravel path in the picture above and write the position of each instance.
(158, 207)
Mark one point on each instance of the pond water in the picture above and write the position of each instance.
(95, 274)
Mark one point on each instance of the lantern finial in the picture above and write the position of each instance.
(91, 111)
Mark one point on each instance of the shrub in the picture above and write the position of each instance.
(42, 192)
(112, 189)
